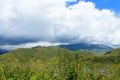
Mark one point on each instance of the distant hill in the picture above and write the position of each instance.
(112, 56)
(83, 53)
(115, 52)
(95, 48)
(44, 53)
(2, 51)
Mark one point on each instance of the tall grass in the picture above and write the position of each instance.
(61, 66)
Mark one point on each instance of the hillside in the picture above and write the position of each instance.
(94, 48)
(112, 56)
(115, 52)
(54, 63)
(44, 53)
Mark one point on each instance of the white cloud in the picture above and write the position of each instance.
(50, 20)
(30, 45)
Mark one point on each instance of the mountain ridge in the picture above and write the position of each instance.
(86, 46)
(2, 51)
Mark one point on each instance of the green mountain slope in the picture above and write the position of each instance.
(115, 52)
(53, 63)
(112, 56)
(42, 53)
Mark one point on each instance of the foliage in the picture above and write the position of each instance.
(53, 63)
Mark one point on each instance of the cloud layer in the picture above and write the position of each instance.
(30, 45)
(51, 20)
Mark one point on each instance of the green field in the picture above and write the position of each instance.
(53, 63)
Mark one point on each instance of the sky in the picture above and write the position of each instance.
(100, 4)
(27, 22)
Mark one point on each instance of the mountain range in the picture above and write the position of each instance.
(94, 48)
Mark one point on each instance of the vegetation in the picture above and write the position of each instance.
(53, 63)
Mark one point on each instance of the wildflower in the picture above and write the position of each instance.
(108, 73)
(99, 69)
(102, 72)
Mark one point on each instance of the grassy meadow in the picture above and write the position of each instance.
(55, 63)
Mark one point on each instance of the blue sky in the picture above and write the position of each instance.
(113, 5)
